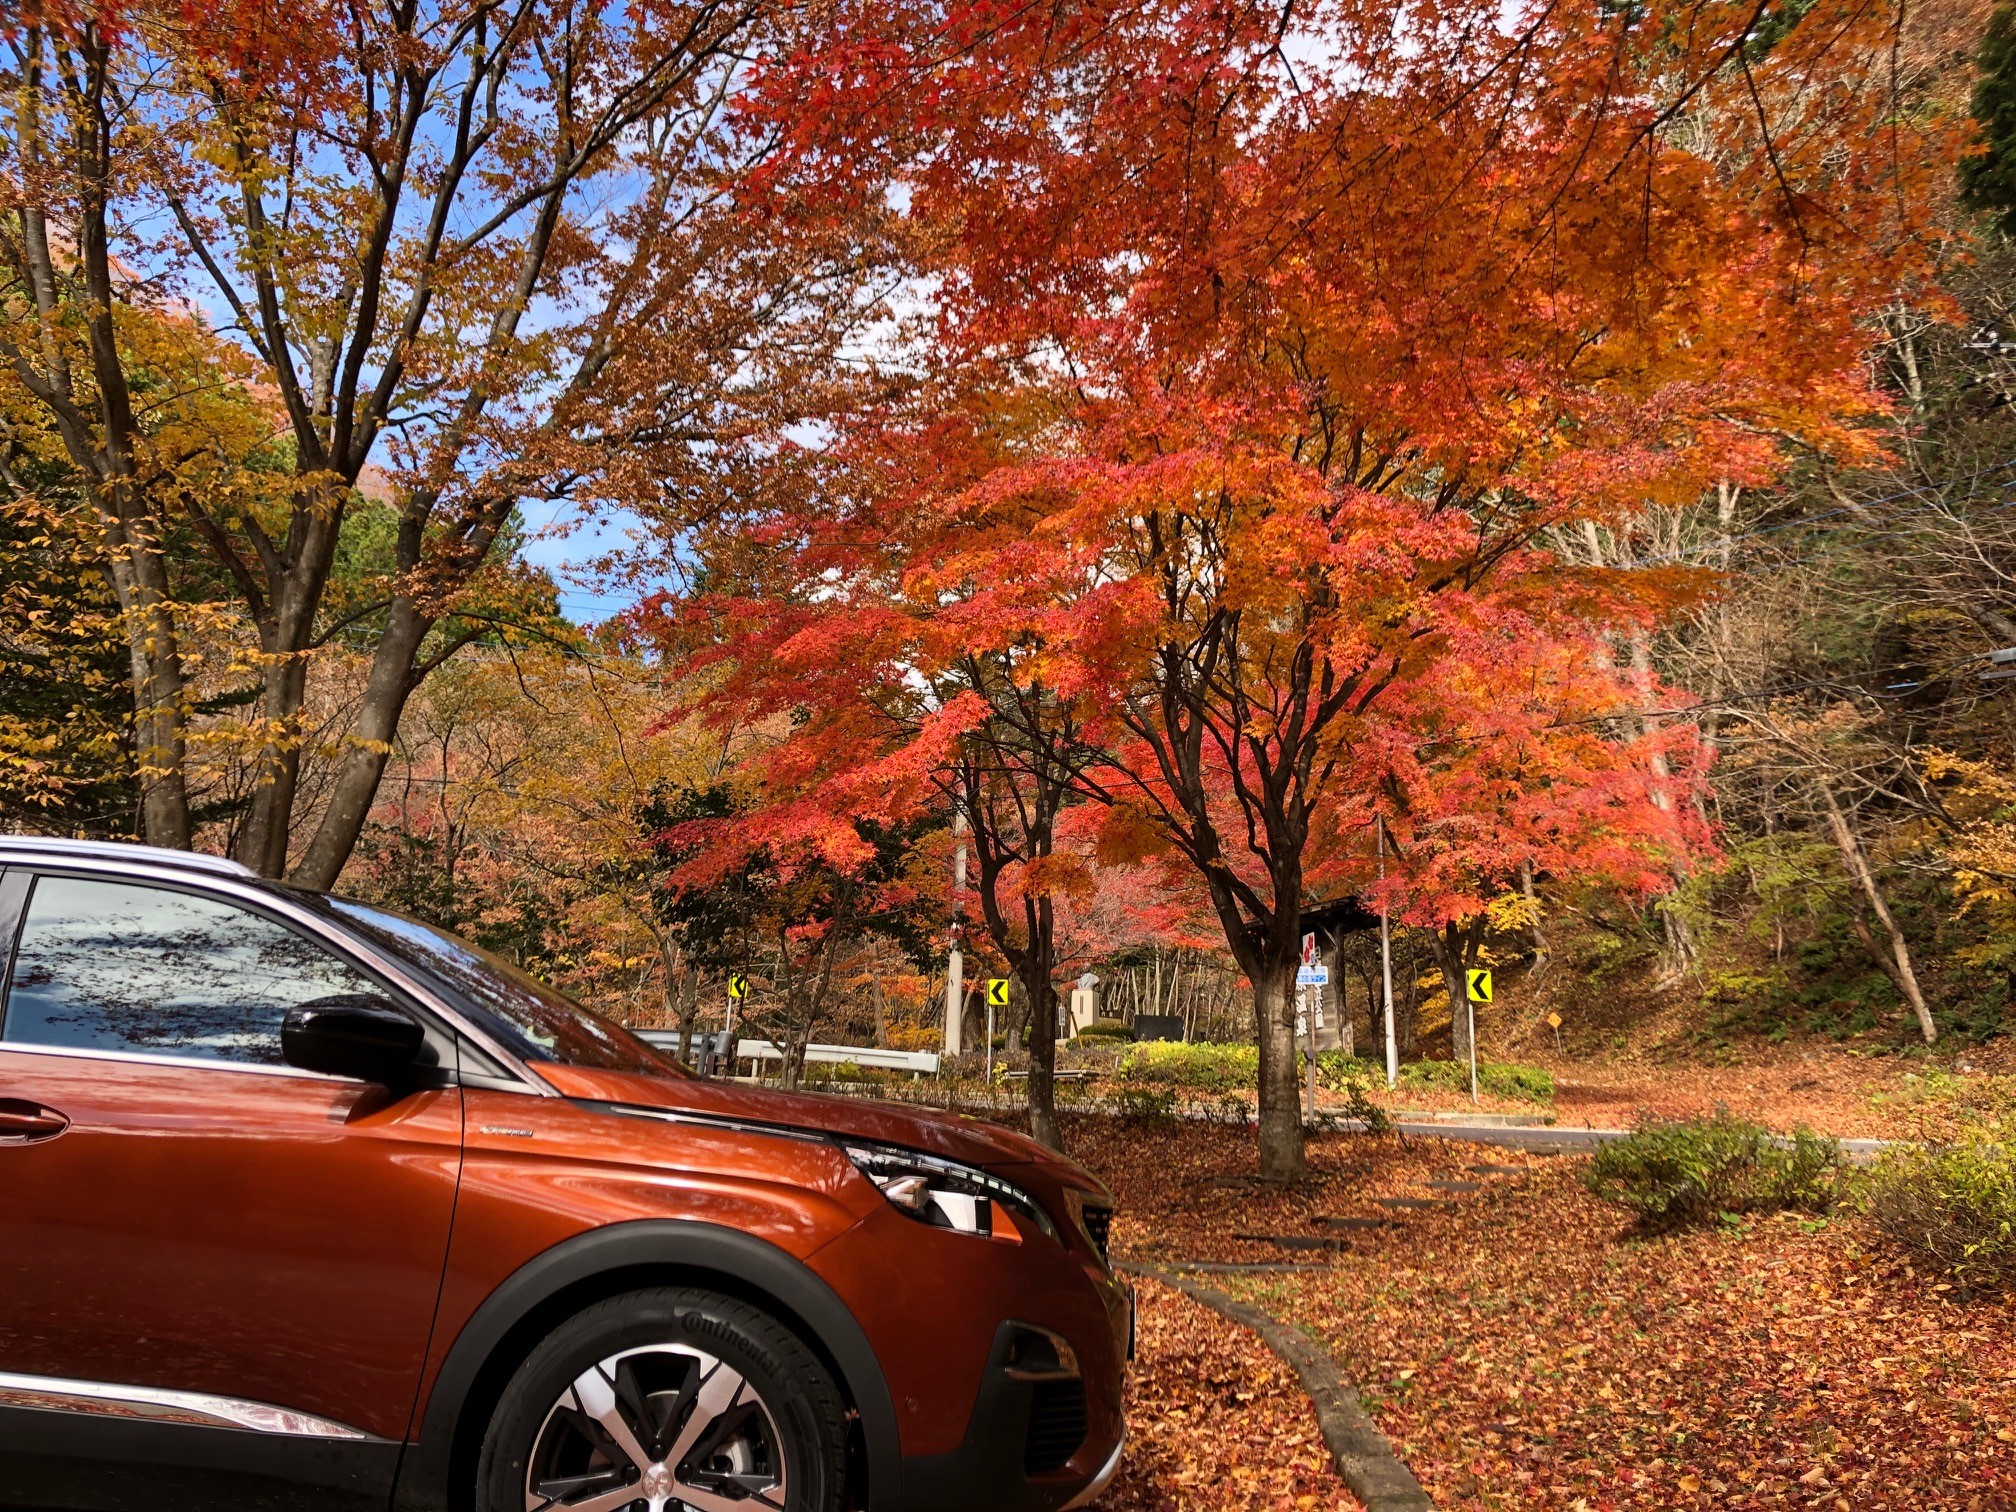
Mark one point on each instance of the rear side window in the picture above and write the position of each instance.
(113, 966)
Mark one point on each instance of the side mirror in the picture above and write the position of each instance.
(352, 1034)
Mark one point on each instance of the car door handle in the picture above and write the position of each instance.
(25, 1122)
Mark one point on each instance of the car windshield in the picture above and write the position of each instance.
(531, 1018)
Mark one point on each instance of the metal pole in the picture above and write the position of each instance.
(990, 1039)
(1470, 1010)
(1386, 967)
(955, 968)
(1315, 997)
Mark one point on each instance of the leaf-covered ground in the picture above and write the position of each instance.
(1882, 1097)
(1216, 1421)
(1521, 1349)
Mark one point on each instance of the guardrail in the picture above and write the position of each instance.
(916, 1062)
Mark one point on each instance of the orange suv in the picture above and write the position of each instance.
(304, 1204)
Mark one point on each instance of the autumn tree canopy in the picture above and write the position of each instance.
(1265, 370)
(458, 257)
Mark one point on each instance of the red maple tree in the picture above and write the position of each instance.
(1263, 372)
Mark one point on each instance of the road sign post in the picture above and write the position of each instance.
(955, 964)
(1386, 965)
(1476, 989)
(738, 989)
(997, 997)
(1315, 1007)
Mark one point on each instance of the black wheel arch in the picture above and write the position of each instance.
(437, 1471)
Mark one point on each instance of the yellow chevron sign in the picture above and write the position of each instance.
(1478, 985)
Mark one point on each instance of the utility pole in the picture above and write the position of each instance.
(1315, 1005)
(1386, 966)
(955, 968)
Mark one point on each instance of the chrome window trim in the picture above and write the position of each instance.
(194, 1409)
(123, 852)
(248, 894)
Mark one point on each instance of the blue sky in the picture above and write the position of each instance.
(569, 556)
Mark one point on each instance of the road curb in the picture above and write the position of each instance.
(1364, 1459)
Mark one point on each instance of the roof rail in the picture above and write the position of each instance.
(50, 847)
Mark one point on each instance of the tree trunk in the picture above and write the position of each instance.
(1678, 937)
(263, 844)
(689, 1012)
(1898, 964)
(356, 785)
(1375, 1028)
(1281, 1145)
(1535, 936)
(1679, 948)
(1407, 1005)
(1042, 996)
(158, 725)
(1455, 947)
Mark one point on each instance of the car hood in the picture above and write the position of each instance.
(955, 1136)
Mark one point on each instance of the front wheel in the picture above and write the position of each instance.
(665, 1400)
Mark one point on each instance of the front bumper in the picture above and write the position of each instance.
(941, 1312)
(1102, 1480)
(1017, 1455)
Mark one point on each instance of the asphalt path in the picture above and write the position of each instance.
(1554, 1139)
(1499, 1130)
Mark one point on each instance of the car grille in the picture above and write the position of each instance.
(1098, 1224)
(1056, 1426)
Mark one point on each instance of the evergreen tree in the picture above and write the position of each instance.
(1988, 179)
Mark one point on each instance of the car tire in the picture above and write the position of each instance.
(659, 1389)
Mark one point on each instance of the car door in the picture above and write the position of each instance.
(217, 1273)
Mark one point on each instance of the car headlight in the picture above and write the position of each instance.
(944, 1193)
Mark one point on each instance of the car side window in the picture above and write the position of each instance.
(114, 966)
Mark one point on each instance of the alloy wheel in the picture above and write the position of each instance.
(664, 1428)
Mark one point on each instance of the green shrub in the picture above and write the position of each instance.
(1338, 1072)
(1232, 1108)
(1361, 1107)
(822, 1073)
(1676, 1174)
(1953, 1206)
(1155, 1105)
(1194, 1068)
(1522, 1083)
(1116, 1029)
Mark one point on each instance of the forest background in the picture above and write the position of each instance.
(1231, 462)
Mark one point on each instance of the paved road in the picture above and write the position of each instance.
(1555, 1139)
(1490, 1129)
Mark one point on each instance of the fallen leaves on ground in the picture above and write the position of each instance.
(1216, 1422)
(1523, 1349)
(1835, 1091)
(1879, 1097)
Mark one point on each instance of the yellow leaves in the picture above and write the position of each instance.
(1065, 874)
(1127, 836)
(1511, 912)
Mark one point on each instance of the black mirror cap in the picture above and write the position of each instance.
(353, 1034)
